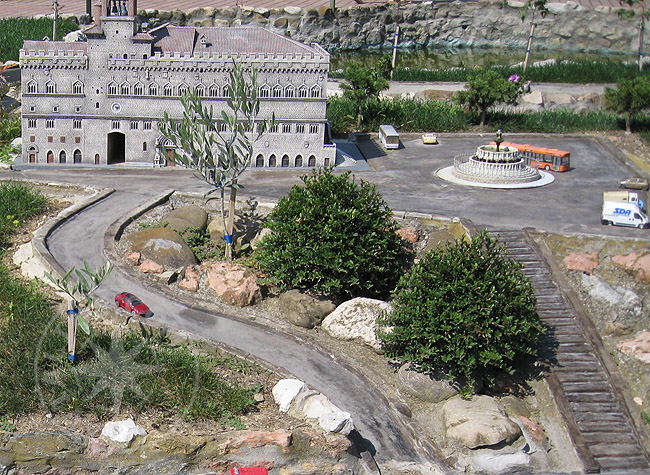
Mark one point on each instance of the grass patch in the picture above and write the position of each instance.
(580, 72)
(112, 372)
(13, 31)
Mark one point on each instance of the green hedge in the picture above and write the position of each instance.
(13, 31)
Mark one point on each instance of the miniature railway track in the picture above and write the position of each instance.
(585, 390)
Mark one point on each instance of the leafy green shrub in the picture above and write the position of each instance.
(465, 310)
(13, 31)
(408, 115)
(10, 128)
(335, 237)
(203, 247)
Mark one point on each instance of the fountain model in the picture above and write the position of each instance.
(495, 166)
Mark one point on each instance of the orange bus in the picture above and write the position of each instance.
(542, 157)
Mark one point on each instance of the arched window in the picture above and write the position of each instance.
(112, 88)
(153, 89)
(298, 162)
(214, 90)
(62, 156)
(32, 87)
(96, 159)
(289, 91)
(312, 161)
(302, 91)
(264, 91)
(259, 161)
(76, 157)
(50, 87)
(182, 89)
(200, 90)
(272, 161)
(315, 91)
(285, 161)
(168, 90)
(277, 91)
(138, 89)
(225, 91)
(125, 89)
(78, 88)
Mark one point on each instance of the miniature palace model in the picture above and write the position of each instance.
(98, 102)
(492, 166)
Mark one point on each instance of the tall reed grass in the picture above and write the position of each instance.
(13, 31)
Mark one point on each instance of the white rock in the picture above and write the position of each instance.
(292, 10)
(601, 290)
(17, 142)
(356, 319)
(534, 97)
(316, 406)
(285, 391)
(479, 422)
(75, 36)
(336, 422)
(122, 431)
(495, 462)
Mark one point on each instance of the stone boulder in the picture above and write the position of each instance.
(285, 391)
(627, 305)
(245, 230)
(162, 245)
(587, 262)
(149, 266)
(234, 283)
(184, 217)
(356, 319)
(490, 461)
(409, 234)
(422, 386)
(303, 310)
(190, 281)
(75, 36)
(636, 264)
(438, 238)
(479, 422)
(122, 432)
(133, 258)
(637, 347)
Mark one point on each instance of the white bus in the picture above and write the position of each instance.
(389, 136)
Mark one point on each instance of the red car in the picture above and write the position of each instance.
(131, 303)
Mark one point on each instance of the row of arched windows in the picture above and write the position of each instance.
(62, 157)
(167, 90)
(214, 90)
(285, 161)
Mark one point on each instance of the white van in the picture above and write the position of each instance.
(624, 214)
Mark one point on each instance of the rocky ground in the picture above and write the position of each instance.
(617, 320)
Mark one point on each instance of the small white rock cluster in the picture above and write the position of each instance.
(293, 395)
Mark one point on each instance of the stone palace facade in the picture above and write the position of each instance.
(98, 102)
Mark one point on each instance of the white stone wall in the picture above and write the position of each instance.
(83, 121)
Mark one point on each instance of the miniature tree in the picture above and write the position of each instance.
(219, 148)
(485, 89)
(333, 236)
(79, 295)
(630, 97)
(364, 84)
(464, 310)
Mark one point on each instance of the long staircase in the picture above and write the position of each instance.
(583, 384)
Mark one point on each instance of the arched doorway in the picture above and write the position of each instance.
(285, 161)
(62, 156)
(76, 157)
(50, 156)
(299, 161)
(272, 160)
(115, 152)
(96, 159)
(259, 161)
(312, 161)
(32, 153)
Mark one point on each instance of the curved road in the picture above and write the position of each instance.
(82, 238)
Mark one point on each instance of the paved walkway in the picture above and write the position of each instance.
(28, 8)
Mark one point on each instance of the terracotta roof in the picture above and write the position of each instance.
(78, 47)
(234, 40)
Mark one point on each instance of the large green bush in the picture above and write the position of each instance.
(465, 310)
(335, 237)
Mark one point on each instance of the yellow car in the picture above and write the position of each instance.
(429, 139)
